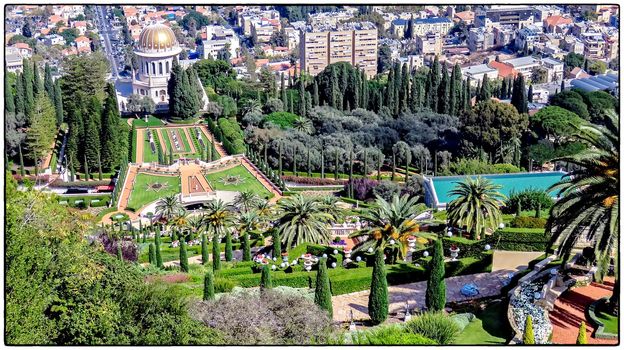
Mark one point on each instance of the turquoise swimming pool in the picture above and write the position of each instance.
(510, 183)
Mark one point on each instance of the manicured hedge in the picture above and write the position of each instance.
(514, 239)
(88, 200)
(527, 222)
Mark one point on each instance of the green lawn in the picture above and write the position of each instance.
(167, 142)
(141, 196)
(248, 182)
(148, 156)
(610, 322)
(151, 121)
(187, 147)
(215, 154)
(490, 327)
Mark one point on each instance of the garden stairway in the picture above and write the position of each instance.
(218, 145)
(128, 187)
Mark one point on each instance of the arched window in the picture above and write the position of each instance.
(160, 71)
(146, 68)
(167, 66)
(142, 92)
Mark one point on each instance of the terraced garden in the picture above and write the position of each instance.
(238, 179)
(148, 188)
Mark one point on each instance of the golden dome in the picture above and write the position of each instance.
(157, 38)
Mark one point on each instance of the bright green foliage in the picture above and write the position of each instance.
(245, 246)
(378, 298)
(476, 207)
(277, 243)
(322, 292)
(42, 130)
(119, 251)
(582, 335)
(265, 279)
(152, 253)
(283, 120)
(228, 246)
(528, 337)
(304, 219)
(435, 296)
(209, 290)
(434, 325)
(9, 102)
(204, 250)
(394, 334)
(519, 97)
(184, 265)
(216, 254)
(159, 261)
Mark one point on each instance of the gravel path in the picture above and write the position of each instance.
(570, 310)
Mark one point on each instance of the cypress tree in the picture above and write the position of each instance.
(21, 160)
(209, 291)
(379, 155)
(322, 292)
(413, 100)
(302, 105)
(467, 95)
(110, 131)
(518, 208)
(503, 92)
(277, 243)
(295, 161)
(364, 172)
(519, 96)
(216, 252)
(58, 102)
(435, 82)
(37, 83)
(265, 279)
(322, 161)
(485, 93)
(528, 338)
(581, 339)
(204, 250)
(48, 83)
(228, 246)
(170, 156)
(378, 298)
(538, 210)
(455, 90)
(27, 81)
(91, 140)
(152, 253)
(9, 102)
(435, 296)
(393, 165)
(183, 257)
(20, 102)
(336, 166)
(351, 173)
(443, 92)
(246, 247)
(530, 93)
(281, 173)
(159, 262)
(315, 94)
(119, 251)
(562, 85)
(86, 169)
(309, 164)
(308, 103)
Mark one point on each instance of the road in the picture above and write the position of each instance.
(105, 29)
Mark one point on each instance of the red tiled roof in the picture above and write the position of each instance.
(504, 70)
(82, 38)
(553, 21)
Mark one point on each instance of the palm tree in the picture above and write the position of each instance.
(477, 207)
(218, 216)
(196, 224)
(303, 125)
(246, 200)
(168, 207)
(303, 220)
(394, 220)
(252, 106)
(589, 203)
(180, 221)
(330, 205)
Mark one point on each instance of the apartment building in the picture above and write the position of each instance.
(441, 25)
(355, 43)
(480, 39)
(518, 16)
(524, 65)
(429, 44)
(527, 37)
(594, 45)
(217, 38)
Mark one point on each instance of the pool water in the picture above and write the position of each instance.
(510, 183)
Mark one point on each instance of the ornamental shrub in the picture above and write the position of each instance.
(223, 285)
(527, 222)
(265, 278)
(378, 298)
(395, 334)
(277, 243)
(322, 292)
(228, 247)
(183, 257)
(434, 325)
(582, 335)
(204, 250)
(119, 253)
(209, 290)
(528, 338)
(216, 253)
(529, 199)
(283, 120)
(246, 248)
(462, 320)
(159, 262)
(152, 254)
(435, 296)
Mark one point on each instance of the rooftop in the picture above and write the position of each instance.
(521, 61)
(432, 20)
(478, 69)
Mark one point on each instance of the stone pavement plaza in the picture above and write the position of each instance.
(488, 283)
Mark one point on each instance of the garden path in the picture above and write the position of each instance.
(139, 145)
(209, 136)
(489, 284)
(570, 309)
(511, 260)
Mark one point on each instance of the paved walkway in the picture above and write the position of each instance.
(570, 310)
(489, 284)
(510, 260)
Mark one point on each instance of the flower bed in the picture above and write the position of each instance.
(524, 303)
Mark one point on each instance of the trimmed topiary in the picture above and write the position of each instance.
(184, 267)
(277, 244)
(246, 247)
(322, 293)
(204, 250)
(152, 254)
(265, 279)
(528, 338)
(159, 262)
(228, 247)
(582, 335)
(435, 296)
(209, 290)
(378, 298)
(216, 254)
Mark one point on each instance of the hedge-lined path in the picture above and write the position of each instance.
(122, 203)
(187, 134)
(189, 171)
(489, 284)
(570, 309)
(258, 175)
(209, 137)
(140, 140)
